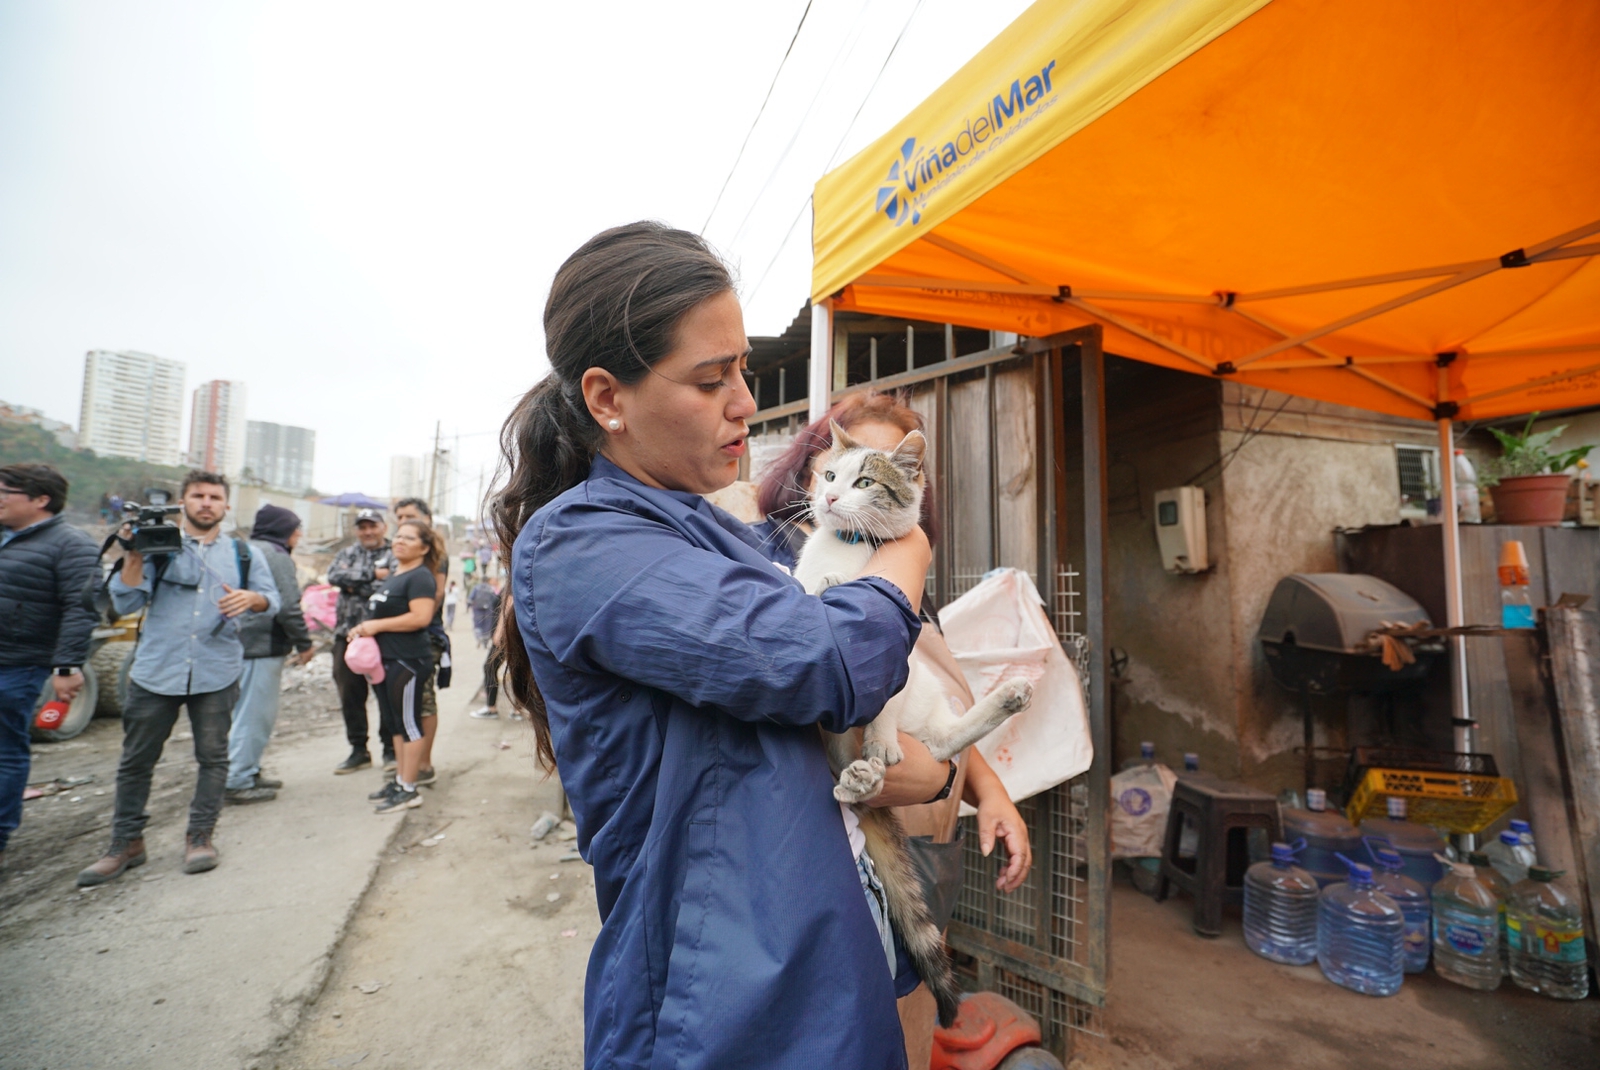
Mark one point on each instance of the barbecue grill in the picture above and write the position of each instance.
(1317, 635)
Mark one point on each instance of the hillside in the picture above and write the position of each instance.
(88, 475)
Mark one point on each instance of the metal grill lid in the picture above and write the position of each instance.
(1335, 611)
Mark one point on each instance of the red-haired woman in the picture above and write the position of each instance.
(881, 421)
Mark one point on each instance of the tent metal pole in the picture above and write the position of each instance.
(1455, 613)
(820, 375)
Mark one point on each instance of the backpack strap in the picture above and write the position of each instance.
(242, 554)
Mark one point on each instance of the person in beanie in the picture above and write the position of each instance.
(45, 626)
(267, 643)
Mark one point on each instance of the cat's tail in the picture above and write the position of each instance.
(886, 846)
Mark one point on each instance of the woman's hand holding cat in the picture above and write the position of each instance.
(904, 563)
(916, 778)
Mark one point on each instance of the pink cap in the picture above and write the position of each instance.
(363, 656)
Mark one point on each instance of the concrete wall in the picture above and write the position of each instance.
(1281, 475)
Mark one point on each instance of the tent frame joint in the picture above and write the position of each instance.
(1445, 359)
(1225, 368)
(1514, 259)
(1446, 410)
(1063, 295)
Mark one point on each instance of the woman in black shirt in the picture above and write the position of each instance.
(400, 609)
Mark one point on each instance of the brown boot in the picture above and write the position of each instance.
(199, 853)
(121, 855)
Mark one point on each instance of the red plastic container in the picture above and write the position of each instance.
(987, 1029)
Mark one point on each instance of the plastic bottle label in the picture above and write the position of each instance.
(1465, 939)
(1565, 947)
(1416, 939)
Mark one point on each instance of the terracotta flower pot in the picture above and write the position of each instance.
(1538, 501)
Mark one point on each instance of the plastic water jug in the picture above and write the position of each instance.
(1412, 898)
(1545, 923)
(1327, 835)
(1511, 857)
(1466, 929)
(1280, 909)
(1497, 884)
(1360, 935)
(1417, 844)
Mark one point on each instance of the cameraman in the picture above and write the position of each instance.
(188, 654)
(44, 624)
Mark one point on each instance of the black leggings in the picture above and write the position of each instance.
(400, 697)
(491, 676)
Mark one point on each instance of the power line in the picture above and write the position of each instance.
(845, 50)
(796, 221)
(759, 112)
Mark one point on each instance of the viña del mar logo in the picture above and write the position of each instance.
(923, 169)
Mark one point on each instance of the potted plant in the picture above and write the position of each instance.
(1530, 481)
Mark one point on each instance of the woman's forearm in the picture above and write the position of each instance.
(904, 563)
(982, 781)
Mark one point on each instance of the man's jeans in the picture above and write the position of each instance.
(147, 720)
(253, 719)
(19, 694)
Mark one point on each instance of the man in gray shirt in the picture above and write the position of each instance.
(188, 655)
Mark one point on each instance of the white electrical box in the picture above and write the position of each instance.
(1181, 529)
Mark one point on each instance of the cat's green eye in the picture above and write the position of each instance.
(828, 476)
(862, 484)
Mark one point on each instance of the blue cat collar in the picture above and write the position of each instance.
(855, 538)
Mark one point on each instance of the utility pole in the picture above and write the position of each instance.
(433, 465)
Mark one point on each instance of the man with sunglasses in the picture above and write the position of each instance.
(189, 654)
(45, 563)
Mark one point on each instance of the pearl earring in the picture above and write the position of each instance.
(614, 424)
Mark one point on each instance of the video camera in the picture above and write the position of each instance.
(153, 534)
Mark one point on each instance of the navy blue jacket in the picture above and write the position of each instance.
(685, 677)
(44, 620)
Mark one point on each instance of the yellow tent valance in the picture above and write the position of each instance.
(1393, 206)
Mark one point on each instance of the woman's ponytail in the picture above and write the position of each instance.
(615, 304)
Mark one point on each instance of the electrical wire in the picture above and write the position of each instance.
(759, 112)
(796, 221)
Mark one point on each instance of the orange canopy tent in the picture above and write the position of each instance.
(1379, 204)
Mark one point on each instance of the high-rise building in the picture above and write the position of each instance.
(279, 455)
(132, 406)
(409, 477)
(217, 427)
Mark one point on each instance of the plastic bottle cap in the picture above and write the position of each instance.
(1316, 799)
(1283, 854)
(1478, 858)
(1519, 826)
(1513, 564)
(1147, 750)
(1543, 873)
(1397, 808)
(1359, 874)
(1191, 761)
(1510, 837)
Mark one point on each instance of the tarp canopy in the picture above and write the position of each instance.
(1312, 196)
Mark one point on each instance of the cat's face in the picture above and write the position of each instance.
(868, 491)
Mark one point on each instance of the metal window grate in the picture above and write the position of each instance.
(1058, 826)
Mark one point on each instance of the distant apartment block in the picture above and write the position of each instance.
(217, 427)
(132, 406)
(279, 455)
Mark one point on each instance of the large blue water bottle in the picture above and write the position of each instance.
(1280, 908)
(1415, 902)
(1360, 934)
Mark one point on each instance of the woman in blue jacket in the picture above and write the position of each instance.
(677, 678)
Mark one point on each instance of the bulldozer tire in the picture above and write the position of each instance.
(79, 714)
(110, 664)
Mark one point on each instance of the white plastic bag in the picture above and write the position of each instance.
(1140, 799)
(997, 631)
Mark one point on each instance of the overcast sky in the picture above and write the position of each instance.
(357, 208)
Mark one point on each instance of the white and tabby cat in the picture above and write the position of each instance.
(860, 498)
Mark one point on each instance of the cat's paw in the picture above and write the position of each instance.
(832, 579)
(860, 781)
(1015, 695)
(886, 751)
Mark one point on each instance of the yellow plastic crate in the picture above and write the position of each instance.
(1460, 802)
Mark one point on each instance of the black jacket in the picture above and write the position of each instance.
(43, 618)
(271, 637)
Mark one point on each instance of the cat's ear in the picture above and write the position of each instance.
(841, 437)
(909, 454)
